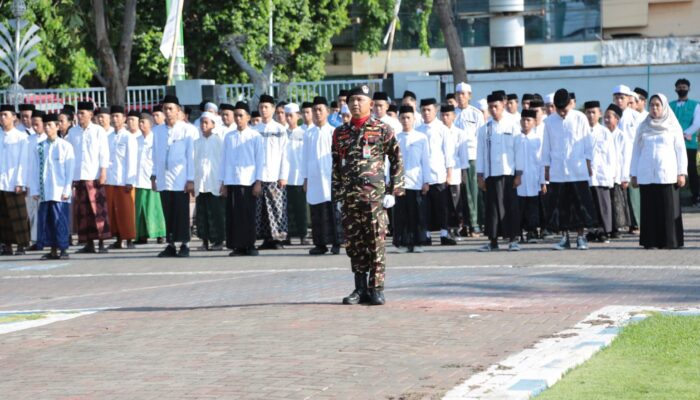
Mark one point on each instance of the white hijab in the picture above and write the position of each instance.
(667, 123)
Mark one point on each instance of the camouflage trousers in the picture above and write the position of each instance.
(365, 225)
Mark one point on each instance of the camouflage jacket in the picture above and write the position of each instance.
(358, 162)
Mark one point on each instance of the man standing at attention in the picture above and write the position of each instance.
(91, 149)
(688, 114)
(358, 153)
(272, 204)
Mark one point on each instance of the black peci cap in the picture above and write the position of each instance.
(591, 104)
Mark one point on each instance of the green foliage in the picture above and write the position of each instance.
(148, 66)
(374, 18)
(62, 60)
(302, 28)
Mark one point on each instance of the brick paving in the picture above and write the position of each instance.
(272, 327)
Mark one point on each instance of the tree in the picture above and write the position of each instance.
(454, 47)
(302, 34)
(63, 60)
(114, 74)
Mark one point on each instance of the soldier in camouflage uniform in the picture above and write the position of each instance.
(359, 150)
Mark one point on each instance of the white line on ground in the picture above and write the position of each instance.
(531, 371)
(48, 319)
(343, 269)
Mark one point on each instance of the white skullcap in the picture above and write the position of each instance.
(211, 107)
(291, 108)
(623, 89)
(345, 109)
(463, 87)
(549, 99)
(483, 105)
(207, 114)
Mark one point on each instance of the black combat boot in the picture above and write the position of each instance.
(376, 296)
(359, 295)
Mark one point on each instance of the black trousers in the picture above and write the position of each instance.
(502, 217)
(176, 210)
(661, 218)
(438, 196)
(693, 180)
(571, 206)
(326, 228)
(240, 217)
(530, 208)
(409, 219)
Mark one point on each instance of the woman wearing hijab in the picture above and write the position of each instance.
(659, 165)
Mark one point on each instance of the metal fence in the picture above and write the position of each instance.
(137, 97)
(297, 92)
(144, 97)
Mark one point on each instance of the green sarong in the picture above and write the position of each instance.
(150, 222)
(211, 217)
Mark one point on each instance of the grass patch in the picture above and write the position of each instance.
(6, 319)
(657, 358)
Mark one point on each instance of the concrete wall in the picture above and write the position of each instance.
(651, 18)
(588, 84)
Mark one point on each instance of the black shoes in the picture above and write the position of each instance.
(271, 245)
(184, 251)
(359, 295)
(318, 250)
(447, 241)
(251, 251)
(335, 249)
(376, 297)
(170, 251)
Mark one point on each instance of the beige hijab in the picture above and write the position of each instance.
(666, 124)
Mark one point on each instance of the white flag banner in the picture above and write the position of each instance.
(166, 44)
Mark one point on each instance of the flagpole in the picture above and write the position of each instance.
(173, 55)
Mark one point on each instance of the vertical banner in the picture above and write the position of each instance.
(172, 32)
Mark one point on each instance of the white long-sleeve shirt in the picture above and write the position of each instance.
(243, 158)
(604, 157)
(208, 153)
(623, 148)
(295, 155)
(276, 165)
(145, 161)
(529, 161)
(659, 158)
(415, 154)
(470, 120)
(123, 161)
(14, 156)
(496, 154)
(441, 150)
(629, 122)
(393, 123)
(91, 150)
(458, 137)
(317, 166)
(566, 147)
(57, 173)
(173, 157)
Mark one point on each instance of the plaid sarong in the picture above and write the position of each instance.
(90, 211)
(14, 222)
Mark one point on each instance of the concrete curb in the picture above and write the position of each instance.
(528, 373)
